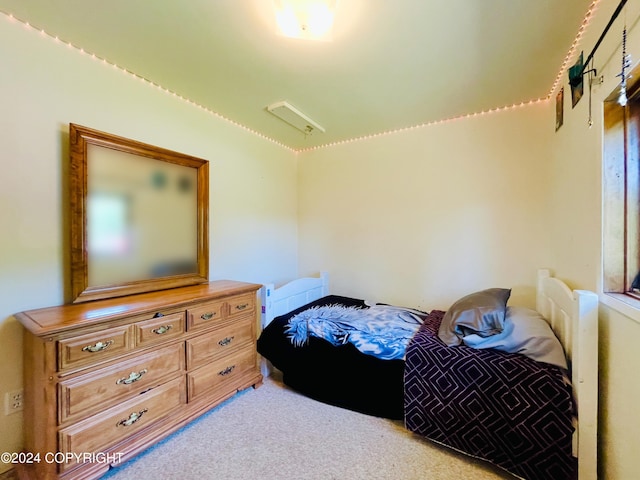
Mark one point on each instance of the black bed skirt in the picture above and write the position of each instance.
(340, 376)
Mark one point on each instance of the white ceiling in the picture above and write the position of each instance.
(391, 64)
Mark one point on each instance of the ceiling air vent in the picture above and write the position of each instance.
(294, 117)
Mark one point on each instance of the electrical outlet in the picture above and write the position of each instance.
(13, 402)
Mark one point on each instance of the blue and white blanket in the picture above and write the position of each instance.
(383, 331)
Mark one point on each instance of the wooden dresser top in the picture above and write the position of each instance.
(53, 320)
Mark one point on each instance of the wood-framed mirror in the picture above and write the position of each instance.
(139, 216)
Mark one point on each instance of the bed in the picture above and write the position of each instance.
(517, 413)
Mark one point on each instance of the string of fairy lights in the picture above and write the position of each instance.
(557, 81)
(573, 50)
(140, 78)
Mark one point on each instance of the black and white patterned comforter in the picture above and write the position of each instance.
(502, 407)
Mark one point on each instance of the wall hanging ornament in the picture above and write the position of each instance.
(576, 73)
(579, 69)
(626, 64)
(559, 109)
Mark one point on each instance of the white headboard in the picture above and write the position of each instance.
(573, 316)
(292, 295)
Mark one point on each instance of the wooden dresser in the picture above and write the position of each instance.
(105, 380)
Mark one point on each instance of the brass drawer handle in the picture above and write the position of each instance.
(133, 418)
(208, 316)
(162, 329)
(225, 341)
(226, 371)
(242, 306)
(132, 378)
(98, 347)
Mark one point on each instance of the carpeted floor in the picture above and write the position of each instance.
(273, 433)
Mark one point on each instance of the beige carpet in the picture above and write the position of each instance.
(273, 433)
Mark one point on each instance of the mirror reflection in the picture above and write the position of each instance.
(141, 217)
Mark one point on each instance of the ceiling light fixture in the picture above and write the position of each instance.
(294, 117)
(306, 19)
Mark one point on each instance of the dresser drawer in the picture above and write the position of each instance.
(219, 377)
(97, 433)
(220, 341)
(206, 315)
(159, 329)
(242, 304)
(95, 346)
(92, 392)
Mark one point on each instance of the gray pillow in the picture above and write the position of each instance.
(525, 332)
(481, 313)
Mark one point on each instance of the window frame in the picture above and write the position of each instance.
(621, 194)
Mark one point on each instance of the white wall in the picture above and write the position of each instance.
(43, 87)
(576, 220)
(426, 216)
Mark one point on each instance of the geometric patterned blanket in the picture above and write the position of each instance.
(502, 407)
